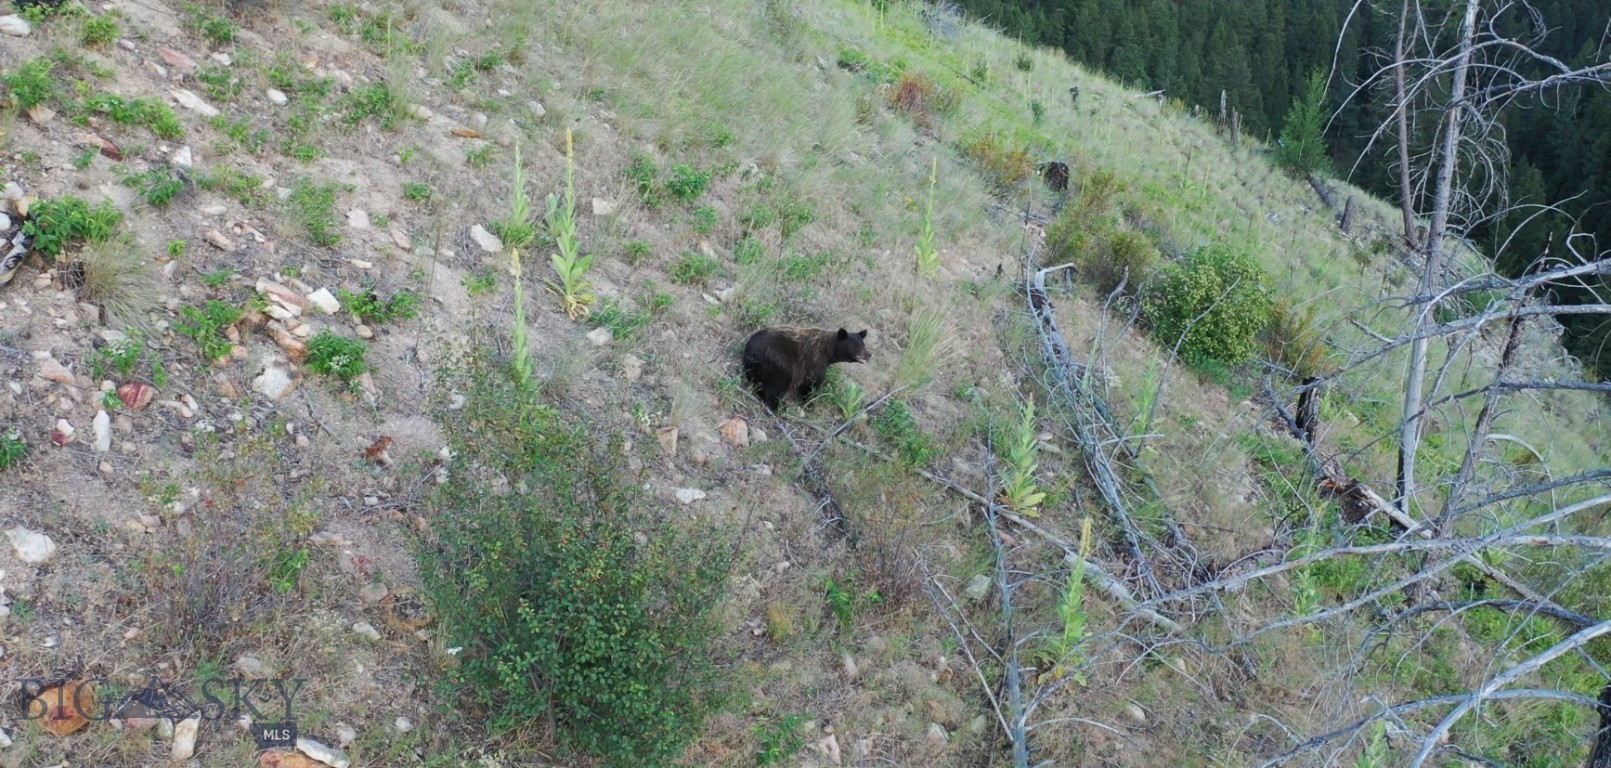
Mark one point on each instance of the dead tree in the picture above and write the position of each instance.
(1073, 96)
(1308, 410)
(1600, 757)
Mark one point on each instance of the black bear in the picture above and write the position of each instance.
(778, 361)
(1056, 175)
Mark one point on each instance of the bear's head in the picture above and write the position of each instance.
(850, 347)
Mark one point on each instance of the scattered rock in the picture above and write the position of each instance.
(600, 336)
(324, 754)
(276, 380)
(277, 97)
(194, 103)
(420, 111)
(363, 331)
(667, 436)
(466, 133)
(851, 670)
(135, 395)
(358, 218)
(101, 427)
(978, 588)
(14, 25)
(631, 368)
(40, 114)
(64, 705)
(689, 495)
(488, 241)
(184, 738)
(345, 735)
(288, 339)
(537, 108)
(937, 734)
(53, 371)
(101, 143)
(63, 433)
(366, 629)
(758, 435)
(828, 748)
(180, 62)
(1136, 713)
(184, 158)
(252, 668)
(403, 724)
(400, 239)
(373, 592)
(603, 207)
(324, 301)
(736, 432)
(219, 241)
(32, 547)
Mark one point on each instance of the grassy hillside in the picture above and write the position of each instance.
(814, 588)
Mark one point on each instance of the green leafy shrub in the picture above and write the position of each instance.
(694, 269)
(12, 449)
(32, 84)
(417, 191)
(206, 327)
(313, 204)
(574, 601)
(1003, 163)
(157, 187)
(58, 222)
(896, 425)
(337, 356)
(371, 309)
(686, 184)
(154, 115)
(100, 31)
(1214, 304)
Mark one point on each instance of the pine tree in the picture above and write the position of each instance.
(1303, 144)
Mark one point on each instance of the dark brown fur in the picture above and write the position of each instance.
(782, 361)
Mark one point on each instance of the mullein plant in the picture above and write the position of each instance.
(572, 287)
(517, 232)
(928, 257)
(1019, 492)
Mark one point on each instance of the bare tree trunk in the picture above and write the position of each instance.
(1601, 756)
(1405, 190)
(1432, 252)
(1347, 222)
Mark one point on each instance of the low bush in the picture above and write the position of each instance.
(1294, 340)
(1213, 304)
(573, 599)
(1003, 163)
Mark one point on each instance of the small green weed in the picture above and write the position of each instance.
(31, 84)
(58, 222)
(100, 31)
(12, 449)
(928, 257)
(705, 221)
(218, 31)
(206, 327)
(482, 281)
(157, 187)
(370, 309)
(154, 115)
(377, 101)
(749, 250)
(896, 425)
(686, 184)
(845, 599)
(83, 159)
(337, 356)
(313, 204)
(217, 279)
(1019, 491)
(219, 82)
(623, 322)
(779, 741)
(845, 394)
(176, 248)
(234, 184)
(286, 569)
(636, 252)
(694, 269)
(482, 157)
(417, 192)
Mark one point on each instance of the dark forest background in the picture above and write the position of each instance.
(1261, 53)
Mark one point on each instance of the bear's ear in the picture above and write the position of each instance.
(843, 334)
(863, 334)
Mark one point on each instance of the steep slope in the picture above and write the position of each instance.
(736, 165)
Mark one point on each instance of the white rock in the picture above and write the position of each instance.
(32, 547)
(252, 668)
(358, 218)
(600, 336)
(184, 738)
(851, 670)
(488, 241)
(326, 302)
(937, 734)
(194, 103)
(602, 207)
(537, 108)
(15, 26)
(631, 368)
(689, 495)
(363, 331)
(184, 158)
(829, 748)
(345, 734)
(5, 741)
(276, 380)
(978, 587)
(324, 754)
(366, 629)
(277, 96)
(102, 427)
(403, 725)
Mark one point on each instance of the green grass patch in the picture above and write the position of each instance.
(313, 205)
(369, 308)
(694, 269)
(206, 327)
(56, 223)
(337, 356)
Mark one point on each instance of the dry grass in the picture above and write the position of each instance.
(121, 278)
